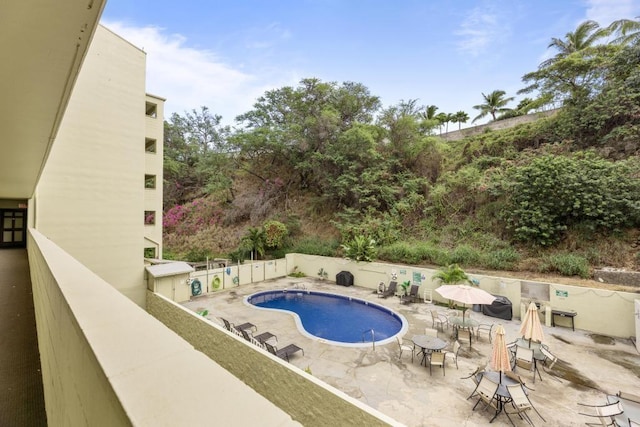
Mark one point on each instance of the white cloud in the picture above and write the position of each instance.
(190, 78)
(604, 12)
(478, 32)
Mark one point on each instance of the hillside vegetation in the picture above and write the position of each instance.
(324, 168)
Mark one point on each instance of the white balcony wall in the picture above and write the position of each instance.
(107, 362)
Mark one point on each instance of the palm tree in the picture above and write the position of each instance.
(461, 117)
(585, 36)
(255, 241)
(493, 103)
(627, 31)
(441, 118)
(451, 275)
(430, 112)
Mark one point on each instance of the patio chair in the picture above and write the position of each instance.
(454, 353)
(391, 290)
(403, 346)
(550, 359)
(521, 403)
(484, 327)
(475, 377)
(431, 332)
(436, 359)
(633, 423)
(381, 289)
(628, 396)
(606, 414)
(486, 391)
(439, 319)
(524, 359)
(285, 352)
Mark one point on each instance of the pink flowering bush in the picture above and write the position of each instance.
(191, 217)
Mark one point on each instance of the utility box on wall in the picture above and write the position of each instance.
(344, 278)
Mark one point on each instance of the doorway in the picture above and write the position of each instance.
(13, 228)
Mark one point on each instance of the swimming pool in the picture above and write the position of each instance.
(334, 319)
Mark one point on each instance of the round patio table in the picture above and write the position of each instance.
(463, 323)
(428, 343)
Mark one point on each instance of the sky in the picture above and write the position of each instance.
(226, 54)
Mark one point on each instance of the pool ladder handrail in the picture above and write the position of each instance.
(373, 337)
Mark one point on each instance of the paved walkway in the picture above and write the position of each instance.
(21, 394)
(589, 366)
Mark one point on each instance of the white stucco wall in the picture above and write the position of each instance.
(90, 197)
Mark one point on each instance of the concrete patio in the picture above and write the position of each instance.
(590, 366)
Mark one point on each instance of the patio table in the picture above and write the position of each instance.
(463, 323)
(428, 343)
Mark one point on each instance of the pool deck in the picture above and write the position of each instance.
(589, 367)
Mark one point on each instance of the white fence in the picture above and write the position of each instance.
(217, 279)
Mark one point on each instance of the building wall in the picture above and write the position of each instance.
(154, 126)
(90, 197)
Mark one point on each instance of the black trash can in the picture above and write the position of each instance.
(344, 278)
(500, 308)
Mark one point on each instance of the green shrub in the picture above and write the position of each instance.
(198, 255)
(567, 265)
(501, 259)
(275, 233)
(465, 255)
(360, 248)
(314, 246)
(552, 193)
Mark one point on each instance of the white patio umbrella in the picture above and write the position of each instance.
(531, 329)
(500, 360)
(465, 294)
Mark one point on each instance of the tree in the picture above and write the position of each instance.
(494, 102)
(197, 160)
(626, 30)
(586, 35)
(461, 117)
(442, 119)
(575, 71)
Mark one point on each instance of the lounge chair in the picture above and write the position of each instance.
(229, 326)
(606, 414)
(412, 296)
(285, 352)
(258, 340)
(391, 290)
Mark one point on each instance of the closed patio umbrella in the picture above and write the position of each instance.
(531, 329)
(500, 360)
(465, 294)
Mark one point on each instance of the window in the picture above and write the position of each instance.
(151, 110)
(149, 252)
(149, 217)
(149, 181)
(150, 145)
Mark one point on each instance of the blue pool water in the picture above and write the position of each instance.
(335, 318)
